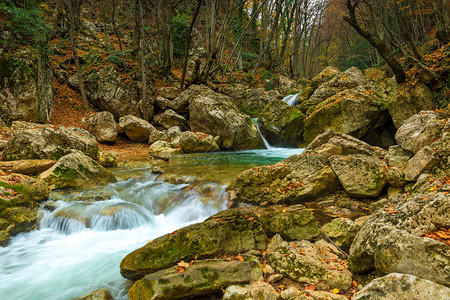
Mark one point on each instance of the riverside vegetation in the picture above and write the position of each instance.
(117, 183)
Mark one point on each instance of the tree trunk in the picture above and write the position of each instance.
(114, 24)
(144, 105)
(75, 54)
(188, 43)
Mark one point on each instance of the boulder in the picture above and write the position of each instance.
(103, 126)
(164, 149)
(354, 111)
(249, 101)
(108, 91)
(102, 294)
(281, 124)
(107, 160)
(157, 135)
(27, 94)
(138, 130)
(3, 143)
(419, 163)
(169, 92)
(161, 104)
(293, 293)
(320, 264)
(49, 142)
(341, 231)
(333, 143)
(216, 114)
(191, 142)
(325, 75)
(201, 278)
(173, 132)
(293, 180)
(288, 86)
(375, 76)
(398, 157)
(181, 103)
(396, 177)
(420, 130)
(27, 166)
(392, 239)
(407, 100)
(397, 286)
(227, 232)
(255, 290)
(76, 170)
(360, 175)
(169, 118)
(20, 196)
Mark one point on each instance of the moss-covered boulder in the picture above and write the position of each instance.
(353, 111)
(281, 124)
(359, 174)
(230, 231)
(249, 101)
(255, 290)
(293, 180)
(20, 196)
(50, 142)
(191, 142)
(218, 115)
(76, 170)
(201, 278)
(341, 231)
(394, 238)
(320, 263)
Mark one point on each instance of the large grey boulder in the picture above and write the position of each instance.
(397, 286)
(137, 129)
(281, 124)
(181, 103)
(423, 160)
(320, 263)
(249, 101)
(354, 111)
(201, 278)
(216, 114)
(76, 170)
(255, 290)
(50, 142)
(191, 142)
(170, 118)
(392, 239)
(420, 130)
(103, 126)
(360, 175)
(170, 92)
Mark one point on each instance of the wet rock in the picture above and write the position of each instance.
(229, 231)
(354, 111)
(49, 142)
(391, 240)
(103, 126)
(255, 290)
(359, 174)
(76, 170)
(178, 179)
(164, 149)
(281, 124)
(216, 114)
(423, 160)
(398, 157)
(201, 278)
(419, 130)
(397, 286)
(169, 92)
(170, 118)
(20, 196)
(107, 160)
(293, 180)
(405, 101)
(293, 293)
(341, 231)
(102, 294)
(192, 142)
(26, 166)
(317, 263)
(136, 129)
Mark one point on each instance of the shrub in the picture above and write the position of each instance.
(180, 31)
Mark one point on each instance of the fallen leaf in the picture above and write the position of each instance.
(310, 287)
(335, 291)
(239, 257)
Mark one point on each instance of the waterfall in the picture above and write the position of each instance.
(291, 99)
(266, 143)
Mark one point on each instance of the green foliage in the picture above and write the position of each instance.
(14, 69)
(180, 31)
(117, 57)
(266, 75)
(26, 25)
(249, 56)
(359, 55)
(441, 97)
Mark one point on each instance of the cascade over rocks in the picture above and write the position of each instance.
(216, 114)
(137, 129)
(396, 286)
(76, 170)
(103, 126)
(392, 239)
(201, 278)
(20, 196)
(49, 142)
(281, 124)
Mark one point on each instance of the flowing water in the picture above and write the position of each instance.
(84, 234)
(291, 99)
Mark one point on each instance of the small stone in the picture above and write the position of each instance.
(275, 278)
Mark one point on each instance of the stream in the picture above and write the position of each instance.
(84, 234)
